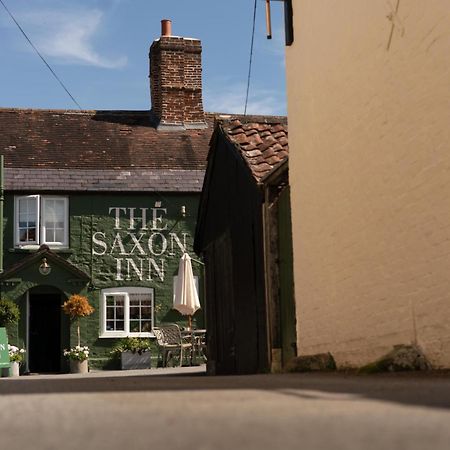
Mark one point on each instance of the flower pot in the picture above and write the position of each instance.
(14, 369)
(77, 366)
(130, 360)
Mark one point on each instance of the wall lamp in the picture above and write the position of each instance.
(44, 268)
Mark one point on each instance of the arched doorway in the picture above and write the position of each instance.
(48, 330)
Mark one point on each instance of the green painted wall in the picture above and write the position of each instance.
(111, 243)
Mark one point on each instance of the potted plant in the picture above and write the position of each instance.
(9, 315)
(16, 355)
(134, 353)
(78, 357)
(76, 307)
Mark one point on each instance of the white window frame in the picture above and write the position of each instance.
(125, 291)
(40, 221)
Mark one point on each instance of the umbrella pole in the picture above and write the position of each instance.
(190, 322)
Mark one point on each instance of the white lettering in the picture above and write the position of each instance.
(137, 243)
(151, 245)
(137, 271)
(143, 218)
(118, 243)
(158, 270)
(99, 242)
(117, 215)
(182, 246)
(158, 220)
(119, 276)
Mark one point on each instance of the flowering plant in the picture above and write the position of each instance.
(77, 307)
(15, 353)
(77, 353)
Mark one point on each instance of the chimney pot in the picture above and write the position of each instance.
(166, 27)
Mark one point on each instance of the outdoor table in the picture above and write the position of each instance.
(195, 337)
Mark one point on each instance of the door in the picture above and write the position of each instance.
(45, 333)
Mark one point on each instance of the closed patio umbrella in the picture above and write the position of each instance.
(185, 299)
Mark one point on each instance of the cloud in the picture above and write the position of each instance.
(231, 100)
(68, 36)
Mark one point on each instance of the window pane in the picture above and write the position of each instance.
(23, 235)
(49, 235)
(135, 313)
(59, 235)
(139, 312)
(120, 301)
(27, 214)
(134, 326)
(53, 218)
(115, 313)
(120, 325)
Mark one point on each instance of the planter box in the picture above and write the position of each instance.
(130, 360)
(79, 366)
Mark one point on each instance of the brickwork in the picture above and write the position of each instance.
(176, 81)
(368, 92)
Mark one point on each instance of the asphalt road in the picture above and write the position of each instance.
(173, 409)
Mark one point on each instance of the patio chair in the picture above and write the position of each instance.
(170, 343)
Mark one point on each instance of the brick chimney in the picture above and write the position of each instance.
(176, 81)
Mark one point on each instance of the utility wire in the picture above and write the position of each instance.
(40, 56)
(250, 60)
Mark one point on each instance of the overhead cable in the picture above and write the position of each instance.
(39, 54)
(250, 59)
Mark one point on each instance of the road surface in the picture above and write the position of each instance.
(185, 409)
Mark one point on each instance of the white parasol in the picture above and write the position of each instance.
(185, 298)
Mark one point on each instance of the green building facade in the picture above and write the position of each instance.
(123, 253)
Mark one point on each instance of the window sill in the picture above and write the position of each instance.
(125, 335)
(34, 249)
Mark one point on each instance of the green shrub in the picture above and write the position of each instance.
(132, 344)
(9, 313)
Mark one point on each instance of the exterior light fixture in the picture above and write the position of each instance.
(183, 211)
(44, 268)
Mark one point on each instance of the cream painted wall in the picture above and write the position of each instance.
(370, 174)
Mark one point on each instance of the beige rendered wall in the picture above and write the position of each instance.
(370, 174)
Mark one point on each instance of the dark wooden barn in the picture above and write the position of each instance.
(244, 202)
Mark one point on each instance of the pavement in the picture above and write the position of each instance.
(183, 408)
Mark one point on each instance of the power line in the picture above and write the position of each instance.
(40, 56)
(250, 60)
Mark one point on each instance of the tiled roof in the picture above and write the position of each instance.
(59, 150)
(99, 150)
(262, 142)
(137, 180)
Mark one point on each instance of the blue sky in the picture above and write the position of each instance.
(99, 48)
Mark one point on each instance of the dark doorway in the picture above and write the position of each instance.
(45, 333)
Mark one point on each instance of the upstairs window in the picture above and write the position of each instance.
(126, 312)
(41, 220)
